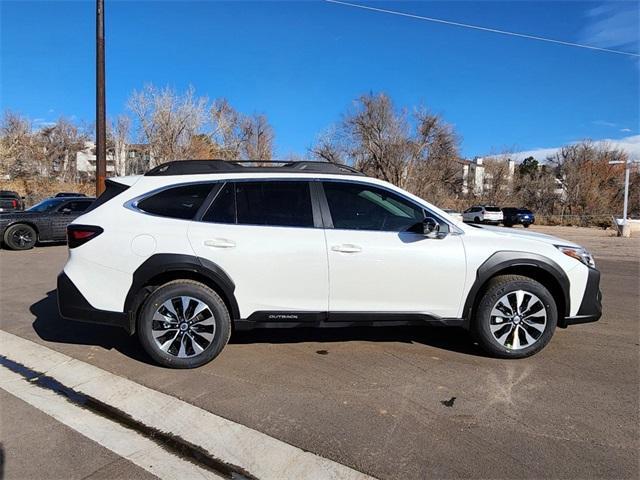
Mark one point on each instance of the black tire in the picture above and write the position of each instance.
(476, 220)
(219, 319)
(526, 225)
(20, 237)
(508, 225)
(497, 288)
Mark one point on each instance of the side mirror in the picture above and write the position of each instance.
(430, 227)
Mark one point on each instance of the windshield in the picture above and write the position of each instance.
(525, 211)
(47, 205)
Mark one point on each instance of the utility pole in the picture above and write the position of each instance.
(101, 132)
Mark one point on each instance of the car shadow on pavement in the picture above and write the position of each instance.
(446, 338)
(51, 327)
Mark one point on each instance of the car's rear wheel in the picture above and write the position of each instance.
(184, 324)
(476, 220)
(20, 237)
(516, 317)
(526, 225)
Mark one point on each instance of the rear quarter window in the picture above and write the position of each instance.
(180, 202)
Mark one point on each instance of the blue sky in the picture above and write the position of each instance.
(303, 63)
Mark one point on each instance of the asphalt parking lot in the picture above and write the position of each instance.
(407, 403)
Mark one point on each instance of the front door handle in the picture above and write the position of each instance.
(220, 243)
(346, 248)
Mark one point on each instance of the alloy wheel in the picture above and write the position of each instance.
(22, 237)
(183, 327)
(518, 320)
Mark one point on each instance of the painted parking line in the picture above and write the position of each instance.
(242, 449)
(123, 441)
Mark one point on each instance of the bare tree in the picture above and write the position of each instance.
(118, 141)
(240, 137)
(257, 138)
(435, 171)
(201, 147)
(590, 184)
(418, 152)
(497, 188)
(379, 138)
(535, 187)
(59, 144)
(168, 120)
(329, 147)
(16, 146)
(227, 134)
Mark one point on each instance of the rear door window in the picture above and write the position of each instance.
(275, 203)
(272, 203)
(177, 202)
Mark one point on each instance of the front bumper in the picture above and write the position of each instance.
(73, 306)
(591, 307)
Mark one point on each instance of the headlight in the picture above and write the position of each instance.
(579, 253)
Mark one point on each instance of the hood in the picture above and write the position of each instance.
(517, 233)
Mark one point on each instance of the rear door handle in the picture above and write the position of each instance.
(346, 248)
(220, 243)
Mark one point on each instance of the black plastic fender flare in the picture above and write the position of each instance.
(161, 263)
(506, 259)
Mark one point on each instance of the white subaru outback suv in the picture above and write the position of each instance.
(192, 249)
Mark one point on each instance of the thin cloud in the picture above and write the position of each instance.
(603, 123)
(42, 123)
(613, 25)
(481, 28)
(625, 130)
(630, 144)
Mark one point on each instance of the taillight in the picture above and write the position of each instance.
(80, 234)
(14, 203)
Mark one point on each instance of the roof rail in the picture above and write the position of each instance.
(196, 167)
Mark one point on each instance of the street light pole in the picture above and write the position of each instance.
(625, 227)
(626, 195)
(101, 132)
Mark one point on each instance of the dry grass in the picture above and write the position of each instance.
(35, 189)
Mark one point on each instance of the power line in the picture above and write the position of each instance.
(484, 29)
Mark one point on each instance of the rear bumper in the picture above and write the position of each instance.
(591, 307)
(73, 306)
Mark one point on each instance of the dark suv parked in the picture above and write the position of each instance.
(515, 216)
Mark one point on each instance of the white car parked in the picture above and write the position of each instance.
(483, 214)
(181, 254)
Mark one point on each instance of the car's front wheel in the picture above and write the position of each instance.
(20, 237)
(184, 324)
(516, 317)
